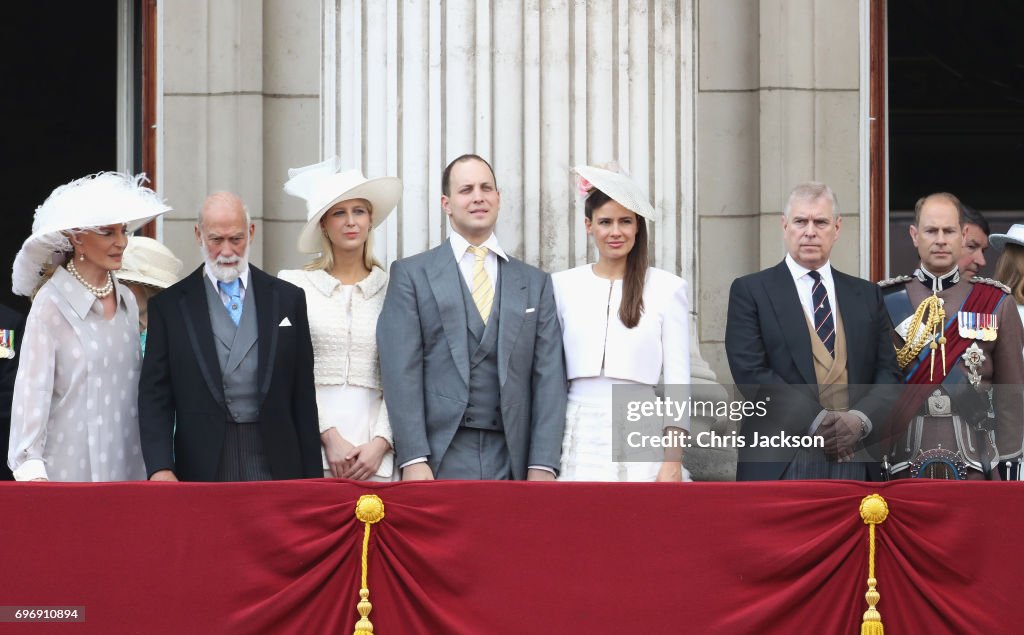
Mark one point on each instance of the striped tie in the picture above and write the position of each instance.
(483, 291)
(824, 325)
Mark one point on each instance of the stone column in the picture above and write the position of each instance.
(212, 112)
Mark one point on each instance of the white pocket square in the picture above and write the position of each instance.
(285, 322)
(531, 309)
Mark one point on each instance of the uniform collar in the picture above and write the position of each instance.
(937, 283)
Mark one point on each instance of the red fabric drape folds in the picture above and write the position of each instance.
(494, 558)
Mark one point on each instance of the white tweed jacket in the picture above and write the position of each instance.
(342, 352)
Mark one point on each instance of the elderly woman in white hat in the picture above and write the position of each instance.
(345, 288)
(74, 416)
(1010, 265)
(623, 322)
(148, 267)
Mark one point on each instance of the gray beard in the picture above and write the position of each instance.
(226, 272)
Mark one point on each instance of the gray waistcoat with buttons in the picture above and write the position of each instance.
(237, 353)
(484, 409)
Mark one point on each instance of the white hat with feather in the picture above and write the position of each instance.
(107, 198)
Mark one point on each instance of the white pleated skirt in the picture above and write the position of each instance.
(587, 447)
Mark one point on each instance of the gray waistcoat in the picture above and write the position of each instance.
(237, 353)
(484, 409)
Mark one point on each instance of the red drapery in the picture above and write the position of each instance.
(495, 558)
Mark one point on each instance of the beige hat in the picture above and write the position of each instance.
(147, 261)
(107, 198)
(1015, 236)
(322, 186)
(619, 187)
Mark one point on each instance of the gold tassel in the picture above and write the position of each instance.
(369, 510)
(925, 329)
(874, 511)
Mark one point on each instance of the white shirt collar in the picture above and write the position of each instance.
(244, 277)
(460, 245)
(799, 271)
(81, 299)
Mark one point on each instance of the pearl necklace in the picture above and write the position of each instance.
(99, 292)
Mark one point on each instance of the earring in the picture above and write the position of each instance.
(81, 257)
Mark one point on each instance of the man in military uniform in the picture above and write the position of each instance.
(956, 339)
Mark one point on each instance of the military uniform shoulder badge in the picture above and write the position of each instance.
(6, 343)
(894, 281)
(993, 283)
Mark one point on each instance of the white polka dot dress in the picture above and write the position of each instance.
(74, 412)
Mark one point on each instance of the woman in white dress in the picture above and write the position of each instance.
(345, 288)
(623, 322)
(75, 413)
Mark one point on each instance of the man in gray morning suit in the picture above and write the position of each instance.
(471, 350)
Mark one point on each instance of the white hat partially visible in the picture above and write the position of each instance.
(1015, 237)
(322, 186)
(107, 198)
(619, 187)
(149, 262)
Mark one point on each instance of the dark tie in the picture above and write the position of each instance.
(824, 325)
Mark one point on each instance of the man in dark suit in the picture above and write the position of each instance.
(811, 341)
(226, 392)
(471, 349)
(11, 325)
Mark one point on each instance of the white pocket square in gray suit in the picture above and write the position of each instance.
(531, 309)
(285, 322)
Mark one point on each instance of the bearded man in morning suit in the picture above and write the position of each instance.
(226, 391)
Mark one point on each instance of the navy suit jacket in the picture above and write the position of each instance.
(768, 344)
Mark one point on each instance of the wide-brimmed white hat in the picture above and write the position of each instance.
(619, 187)
(107, 198)
(1015, 237)
(322, 186)
(149, 262)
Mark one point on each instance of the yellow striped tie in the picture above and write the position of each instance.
(483, 291)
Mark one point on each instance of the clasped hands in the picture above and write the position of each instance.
(357, 462)
(841, 431)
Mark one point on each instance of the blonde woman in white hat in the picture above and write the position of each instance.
(74, 416)
(148, 267)
(1010, 265)
(345, 288)
(623, 322)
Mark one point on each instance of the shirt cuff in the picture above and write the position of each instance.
(816, 423)
(422, 459)
(865, 420)
(543, 467)
(31, 469)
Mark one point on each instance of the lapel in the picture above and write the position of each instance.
(446, 283)
(195, 313)
(511, 312)
(852, 308)
(781, 292)
(267, 312)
